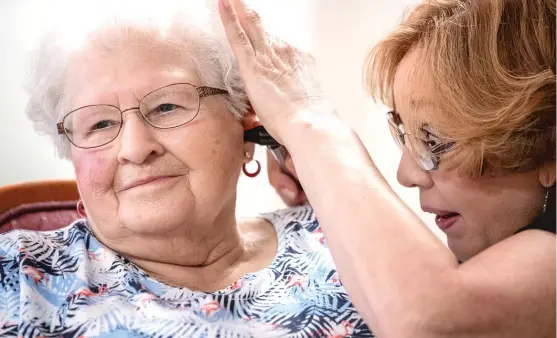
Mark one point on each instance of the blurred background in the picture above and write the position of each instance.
(338, 33)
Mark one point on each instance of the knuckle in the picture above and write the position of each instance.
(285, 49)
(274, 75)
(274, 41)
(262, 66)
(261, 58)
(242, 38)
(253, 16)
(280, 51)
(257, 67)
(279, 75)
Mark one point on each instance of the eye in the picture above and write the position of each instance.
(435, 144)
(166, 108)
(103, 124)
(441, 148)
(431, 138)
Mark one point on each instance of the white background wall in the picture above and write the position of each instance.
(338, 33)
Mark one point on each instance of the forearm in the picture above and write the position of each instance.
(387, 258)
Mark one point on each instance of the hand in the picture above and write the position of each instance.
(280, 80)
(286, 184)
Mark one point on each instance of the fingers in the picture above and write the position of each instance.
(238, 38)
(273, 171)
(285, 186)
(293, 175)
(243, 25)
(290, 166)
(286, 192)
(250, 42)
(251, 22)
(278, 49)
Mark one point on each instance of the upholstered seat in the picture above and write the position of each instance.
(41, 205)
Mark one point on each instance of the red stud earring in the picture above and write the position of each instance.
(245, 170)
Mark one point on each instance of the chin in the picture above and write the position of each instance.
(462, 249)
(153, 217)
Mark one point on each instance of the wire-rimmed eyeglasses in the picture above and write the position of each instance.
(425, 151)
(168, 107)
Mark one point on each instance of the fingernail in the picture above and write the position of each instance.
(288, 194)
(225, 4)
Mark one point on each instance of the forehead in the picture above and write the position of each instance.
(412, 87)
(98, 76)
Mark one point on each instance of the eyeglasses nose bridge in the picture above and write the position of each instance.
(131, 108)
(143, 117)
(134, 108)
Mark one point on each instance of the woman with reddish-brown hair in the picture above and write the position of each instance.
(471, 84)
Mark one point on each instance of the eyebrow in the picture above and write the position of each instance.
(424, 127)
(415, 103)
(418, 103)
(428, 129)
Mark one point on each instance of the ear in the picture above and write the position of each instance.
(248, 122)
(547, 174)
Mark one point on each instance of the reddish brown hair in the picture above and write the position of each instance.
(492, 66)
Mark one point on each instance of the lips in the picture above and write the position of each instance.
(443, 218)
(446, 220)
(144, 181)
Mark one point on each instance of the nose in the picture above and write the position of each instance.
(137, 140)
(410, 174)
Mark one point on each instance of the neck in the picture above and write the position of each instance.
(208, 274)
(206, 257)
(200, 257)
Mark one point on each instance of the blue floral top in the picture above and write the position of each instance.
(65, 283)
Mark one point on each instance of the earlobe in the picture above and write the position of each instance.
(249, 121)
(547, 175)
(249, 148)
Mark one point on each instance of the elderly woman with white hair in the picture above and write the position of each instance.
(152, 115)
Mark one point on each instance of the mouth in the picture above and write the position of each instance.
(147, 181)
(446, 220)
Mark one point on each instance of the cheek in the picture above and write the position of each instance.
(472, 199)
(94, 171)
(209, 146)
(454, 193)
(226, 148)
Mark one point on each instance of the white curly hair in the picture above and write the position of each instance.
(191, 27)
